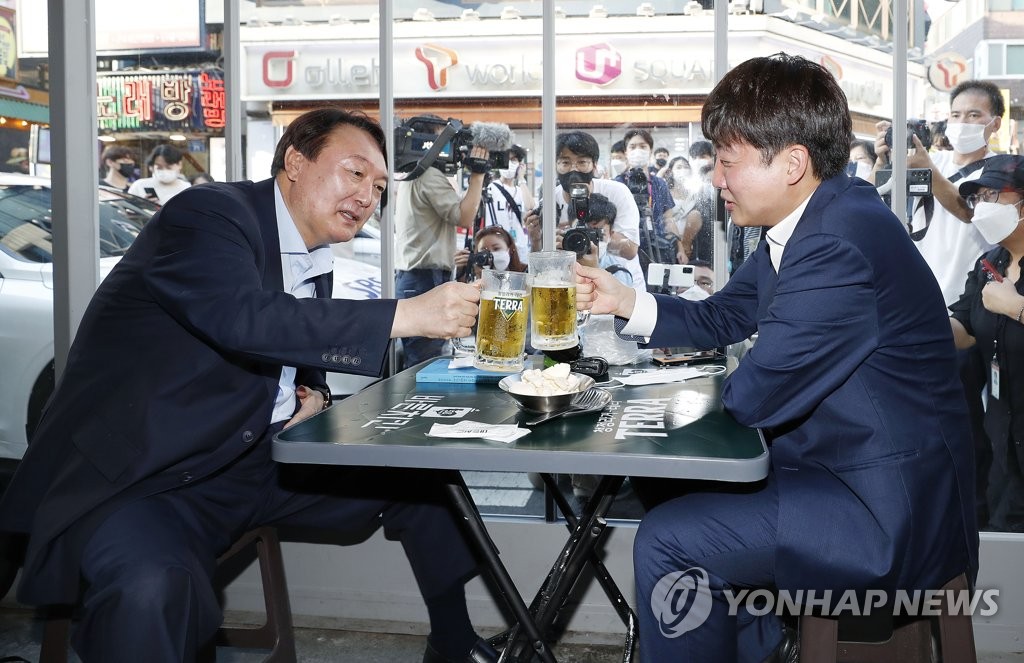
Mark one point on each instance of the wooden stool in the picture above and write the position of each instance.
(908, 640)
(276, 634)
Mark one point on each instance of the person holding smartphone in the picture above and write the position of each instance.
(165, 180)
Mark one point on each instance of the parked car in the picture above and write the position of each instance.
(26, 295)
(26, 292)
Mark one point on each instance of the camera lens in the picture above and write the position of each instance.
(576, 240)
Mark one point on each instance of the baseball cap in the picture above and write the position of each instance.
(1002, 172)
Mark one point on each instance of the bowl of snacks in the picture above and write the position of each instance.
(545, 390)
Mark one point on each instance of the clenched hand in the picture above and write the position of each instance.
(447, 311)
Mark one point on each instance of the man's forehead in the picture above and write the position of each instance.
(971, 101)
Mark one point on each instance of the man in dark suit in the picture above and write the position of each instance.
(853, 380)
(210, 335)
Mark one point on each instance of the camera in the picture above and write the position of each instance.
(481, 259)
(914, 127)
(919, 180)
(579, 238)
(636, 180)
(419, 145)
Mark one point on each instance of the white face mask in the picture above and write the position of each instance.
(602, 249)
(994, 221)
(617, 167)
(863, 170)
(501, 260)
(638, 157)
(165, 176)
(966, 138)
(510, 172)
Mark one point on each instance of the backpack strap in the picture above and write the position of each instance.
(928, 202)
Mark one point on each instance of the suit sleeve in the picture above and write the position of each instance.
(821, 325)
(206, 273)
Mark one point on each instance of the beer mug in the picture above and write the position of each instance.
(501, 326)
(553, 300)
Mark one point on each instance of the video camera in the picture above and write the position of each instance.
(917, 128)
(421, 142)
(579, 238)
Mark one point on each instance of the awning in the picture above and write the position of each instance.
(23, 110)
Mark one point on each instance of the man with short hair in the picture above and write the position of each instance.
(852, 382)
(576, 154)
(428, 210)
(118, 167)
(210, 335)
(660, 240)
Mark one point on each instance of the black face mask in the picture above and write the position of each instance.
(574, 177)
(126, 169)
(660, 163)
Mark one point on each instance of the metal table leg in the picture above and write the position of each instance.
(463, 502)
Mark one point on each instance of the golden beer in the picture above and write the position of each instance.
(554, 316)
(501, 330)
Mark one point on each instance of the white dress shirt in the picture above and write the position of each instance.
(299, 267)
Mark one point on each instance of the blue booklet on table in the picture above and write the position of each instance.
(438, 371)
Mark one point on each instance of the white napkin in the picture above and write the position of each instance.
(506, 433)
(666, 375)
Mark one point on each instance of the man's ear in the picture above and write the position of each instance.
(293, 162)
(798, 163)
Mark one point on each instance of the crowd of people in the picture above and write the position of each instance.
(153, 457)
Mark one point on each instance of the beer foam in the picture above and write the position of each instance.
(552, 381)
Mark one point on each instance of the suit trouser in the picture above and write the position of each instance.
(687, 552)
(149, 566)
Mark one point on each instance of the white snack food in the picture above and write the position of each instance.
(551, 381)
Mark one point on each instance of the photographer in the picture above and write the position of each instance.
(508, 198)
(941, 224)
(492, 247)
(576, 154)
(659, 237)
(614, 249)
(427, 212)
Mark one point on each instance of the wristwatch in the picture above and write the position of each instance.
(326, 393)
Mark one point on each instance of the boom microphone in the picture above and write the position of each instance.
(493, 136)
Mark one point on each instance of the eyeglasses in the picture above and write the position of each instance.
(990, 196)
(580, 165)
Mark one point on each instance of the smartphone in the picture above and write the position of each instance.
(987, 266)
(150, 191)
(683, 358)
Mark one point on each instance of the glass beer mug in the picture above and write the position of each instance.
(553, 300)
(501, 326)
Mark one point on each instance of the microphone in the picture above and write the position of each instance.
(493, 136)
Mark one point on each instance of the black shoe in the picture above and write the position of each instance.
(788, 650)
(482, 652)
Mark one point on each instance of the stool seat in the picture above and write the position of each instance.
(906, 639)
(275, 634)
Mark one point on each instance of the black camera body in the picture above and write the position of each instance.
(579, 238)
(919, 180)
(412, 146)
(917, 128)
(481, 259)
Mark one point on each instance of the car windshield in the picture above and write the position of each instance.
(26, 221)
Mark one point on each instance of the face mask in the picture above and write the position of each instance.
(638, 157)
(660, 163)
(995, 222)
(602, 249)
(694, 293)
(165, 176)
(501, 260)
(510, 172)
(618, 166)
(967, 138)
(574, 177)
(126, 169)
(863, 170)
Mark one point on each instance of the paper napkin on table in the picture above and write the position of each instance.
(665, 375)
(507, 433)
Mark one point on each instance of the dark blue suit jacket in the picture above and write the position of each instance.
(854, 380)
(174, 372)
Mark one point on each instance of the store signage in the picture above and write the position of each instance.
(181, 101)
(947, 71)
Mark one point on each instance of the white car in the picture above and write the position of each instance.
(26, 295)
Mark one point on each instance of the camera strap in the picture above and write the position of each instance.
(512, 204)
(928, 202)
